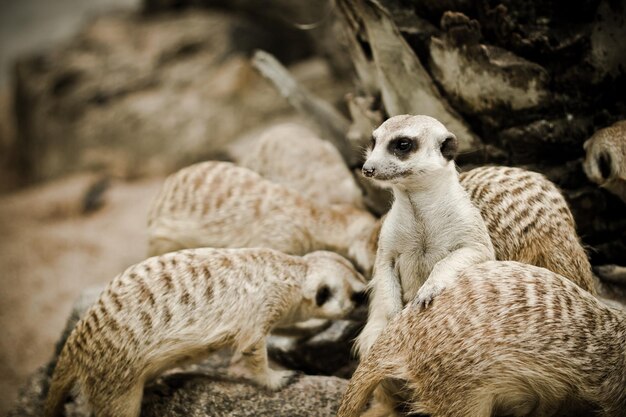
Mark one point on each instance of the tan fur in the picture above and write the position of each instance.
(505, 339)
(294, 156)
(605, 163)
(179, 307)
(432, 231)
(529, 221)
(218, 204)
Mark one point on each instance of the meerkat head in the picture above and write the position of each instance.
(405, 148)
(599, 164)
(332, 287)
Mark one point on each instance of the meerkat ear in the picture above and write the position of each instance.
(449, 147)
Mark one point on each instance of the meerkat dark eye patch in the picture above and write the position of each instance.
(449, 147)
(323, 294)
(372, 142)
(604, 165)
(402, 147)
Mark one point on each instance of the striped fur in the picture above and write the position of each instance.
(505, 339)
(529, 221)
(179, 307)
(294, 156)
(218, 204)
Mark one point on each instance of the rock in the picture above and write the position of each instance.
(547, 141)
(201, 392)
(9, 158)
(482, 78)
(387, 49)
(174, 95)
(608, 51)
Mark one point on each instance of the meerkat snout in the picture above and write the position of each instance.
(334, 286)
(408, 147)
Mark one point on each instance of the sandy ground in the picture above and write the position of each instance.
(49, 251)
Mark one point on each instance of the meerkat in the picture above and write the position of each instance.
(605, 162)
(432, 231)
(527, 218)
(218, 204)
(294, 156)
(181, 306)
(505, 339)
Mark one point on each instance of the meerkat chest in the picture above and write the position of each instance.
(415, 246)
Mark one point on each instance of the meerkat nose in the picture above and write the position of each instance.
(368, 172)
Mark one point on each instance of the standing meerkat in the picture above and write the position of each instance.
(527, 218)
(179, 307)
(605, 162)
(218, 204)
(294, 156)
(432, 231)
(506, 339)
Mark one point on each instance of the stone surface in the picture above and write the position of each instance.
(202, 392)
(135, 95)
(483, 78)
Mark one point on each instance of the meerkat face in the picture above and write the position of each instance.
(333, 287)
(405, 148)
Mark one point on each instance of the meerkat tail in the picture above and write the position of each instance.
(62, 381)
(368, 375)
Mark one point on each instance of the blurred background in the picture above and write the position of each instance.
(100, 99)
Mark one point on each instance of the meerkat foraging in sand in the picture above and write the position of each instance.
(605, 163)
(218, 204)
(181, 306)
(294, 156)
(506, 339)
(432, 231)
(527, 218)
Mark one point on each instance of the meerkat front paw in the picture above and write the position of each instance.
(275, 380)
(427, 293)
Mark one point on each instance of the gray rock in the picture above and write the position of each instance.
(482, 78)
(202, 392)
(136, 95)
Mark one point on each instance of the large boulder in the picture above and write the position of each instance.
(136, 95)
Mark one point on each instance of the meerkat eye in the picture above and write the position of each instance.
(401, 146)
(604, 165)
(323, 294)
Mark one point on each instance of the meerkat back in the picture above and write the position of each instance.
(218, 204)
(506, 339)
(529, 221)
(294, 156)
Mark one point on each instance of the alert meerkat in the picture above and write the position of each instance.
(506, 339)
(527, 218)
(218, 204)
(179, 307)
(432, 231)
(294, 156)
(605, 162)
